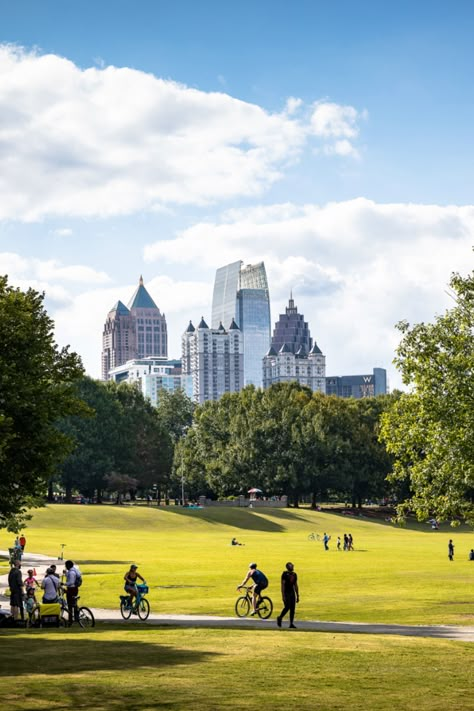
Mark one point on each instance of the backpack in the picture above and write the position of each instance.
(78, 578)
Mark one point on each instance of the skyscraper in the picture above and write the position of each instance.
(136, 331)
(214, 358)
(241, 294)
(292, 355)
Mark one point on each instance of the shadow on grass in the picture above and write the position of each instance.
(75, 654)
(233, 517)
(103, 562)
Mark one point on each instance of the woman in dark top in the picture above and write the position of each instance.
(130, 578)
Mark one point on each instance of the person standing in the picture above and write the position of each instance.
(350, 542)
(451, 549)
(326, 540)
(339, 543)
(15, 583)
(72, 589)
(22, 542)
(289, 593)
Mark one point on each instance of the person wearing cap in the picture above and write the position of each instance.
(289, 593)
(260, 582)
(130, 578)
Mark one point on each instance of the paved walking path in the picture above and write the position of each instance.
(463, 634)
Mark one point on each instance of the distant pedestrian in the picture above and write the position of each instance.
(289, 593)
(22, 542)
(350, 542)
(451, 549)
(326, 540)
(15, 583)
(346, 542)
(339, 543)
(471, 554)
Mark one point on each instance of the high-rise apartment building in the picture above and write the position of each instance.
(152, 375)
(241, 295)
(136, 331)
(214, 358)
(292, 355)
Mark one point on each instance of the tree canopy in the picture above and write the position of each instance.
(36, 389)
(430, 429)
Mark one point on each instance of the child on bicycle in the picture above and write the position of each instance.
(130, 578)
(260, 582)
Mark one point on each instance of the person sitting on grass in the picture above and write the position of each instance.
(471, 554)
(130, 578)
(260, 582)
(234, 542)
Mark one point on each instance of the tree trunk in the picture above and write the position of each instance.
(50, 491)
(68, 488)
(313, 500)
(99, 496)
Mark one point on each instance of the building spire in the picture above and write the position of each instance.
(140, 281)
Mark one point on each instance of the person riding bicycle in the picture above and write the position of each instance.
(130, 578)
(260, 582)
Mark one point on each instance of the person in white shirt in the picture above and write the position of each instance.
(72, 589)
(50, 586)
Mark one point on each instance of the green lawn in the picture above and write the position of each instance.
(394, 575)
(148, 668)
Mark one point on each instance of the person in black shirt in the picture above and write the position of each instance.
(15, 583)
(289, 593)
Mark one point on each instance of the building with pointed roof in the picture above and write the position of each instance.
(292, 355)
(136, 331)
(214, 358)
(241, 297)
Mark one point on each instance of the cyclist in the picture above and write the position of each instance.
(130, 578)
(260, 582)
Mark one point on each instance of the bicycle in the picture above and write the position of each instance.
(314, 537)
(244, 603)
(85, 618)
(140, 606)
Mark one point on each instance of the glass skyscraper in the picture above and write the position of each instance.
(241, 293)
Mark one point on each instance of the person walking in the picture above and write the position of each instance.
(346, 542)
(15, 583)
(451, 549)
(350, 542)
(326, 540)
(22, 542)
(289, 593)
(339, 543)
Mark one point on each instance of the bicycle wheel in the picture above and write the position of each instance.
(242, 606)
(311, 537)
(86, 618)
(265, 608)
(143, 609)
(125, 610)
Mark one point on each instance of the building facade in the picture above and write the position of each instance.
(134, 331)
(241, 295)
(358, 386)
(214, 359)
(297, 358)
(152, 375)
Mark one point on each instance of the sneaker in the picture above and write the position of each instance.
(292, 627)
(253, 613)
(279, 621)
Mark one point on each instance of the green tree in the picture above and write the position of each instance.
(36, 389)
(429, 429)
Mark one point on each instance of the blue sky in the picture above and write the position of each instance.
(331, 139)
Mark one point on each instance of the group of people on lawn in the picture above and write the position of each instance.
(23, 592)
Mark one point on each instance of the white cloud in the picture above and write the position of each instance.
(109, 141)
(356, 268)
(48, 271)
(341, 123)
(63, 232)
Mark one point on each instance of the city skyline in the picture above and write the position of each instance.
(143, 140)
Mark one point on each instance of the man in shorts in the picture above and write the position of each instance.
(15, 583)
(260, 582)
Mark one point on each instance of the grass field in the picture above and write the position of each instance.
(202, 670)
(394, 575)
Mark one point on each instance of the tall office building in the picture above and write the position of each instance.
(291, 329)
(214, 358)
(241, 295)
(136, 331)
(293, 356)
